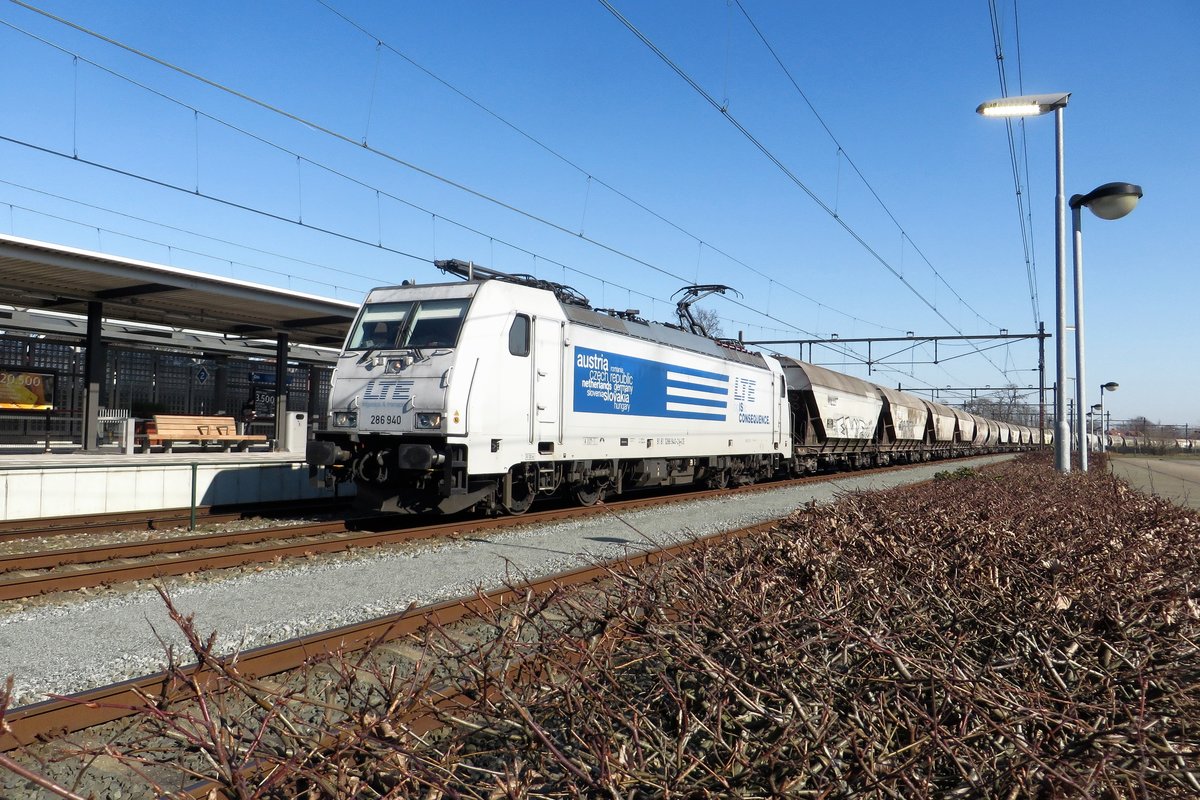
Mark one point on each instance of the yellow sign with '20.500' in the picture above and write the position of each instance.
(21, 390)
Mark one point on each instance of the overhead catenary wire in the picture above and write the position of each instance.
(344, 138)
(791, 328)
(588, 174)
(177, 229)
(195, 192)
(843, 154)
(1024, 215)
(458, 185)
(774, 159)
(338, 234)
(381, 153)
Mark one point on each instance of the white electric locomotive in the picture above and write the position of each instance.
(493, 391)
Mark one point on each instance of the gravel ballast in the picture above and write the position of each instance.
(80, 643)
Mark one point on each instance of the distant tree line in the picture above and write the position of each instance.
(1006, 405)
(1156, 430)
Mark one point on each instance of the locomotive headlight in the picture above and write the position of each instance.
(428, 420)
(398, 364)
(345, 419)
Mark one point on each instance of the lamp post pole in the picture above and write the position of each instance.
(1080, 382)
(1062, 447)
(1111, 386)
(1036, 105)
(1072, 421)
(1110, 201)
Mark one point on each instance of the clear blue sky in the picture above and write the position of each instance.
(611, 173)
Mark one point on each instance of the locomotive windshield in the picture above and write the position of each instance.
(409, 324)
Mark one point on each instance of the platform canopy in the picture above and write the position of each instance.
(39, 275)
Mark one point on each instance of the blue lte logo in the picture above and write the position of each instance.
(744, 389)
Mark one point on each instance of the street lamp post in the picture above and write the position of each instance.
(1036, 105)
(1110, 201)
(1111, 386)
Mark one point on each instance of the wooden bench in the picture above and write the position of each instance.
(167, 429)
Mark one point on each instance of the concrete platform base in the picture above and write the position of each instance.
(35, 486)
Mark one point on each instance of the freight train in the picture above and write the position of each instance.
(490, 392)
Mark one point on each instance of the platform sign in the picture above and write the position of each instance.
(264, 403)
(266, 378)
(26, 390)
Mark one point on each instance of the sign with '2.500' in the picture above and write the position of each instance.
(612, 383)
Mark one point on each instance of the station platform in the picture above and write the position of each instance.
(37, 483)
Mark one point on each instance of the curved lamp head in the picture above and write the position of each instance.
(1110, 386)
(1110, 201)
(1026, 105)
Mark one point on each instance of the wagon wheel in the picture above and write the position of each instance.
(520, 489)
(588, 493)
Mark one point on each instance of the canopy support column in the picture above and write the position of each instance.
(281, 390)
(93, 368)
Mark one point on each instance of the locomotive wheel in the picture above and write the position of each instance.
(588, 493)
(520, 490)
(719, 479)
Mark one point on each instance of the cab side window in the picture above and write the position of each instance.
(518, 336)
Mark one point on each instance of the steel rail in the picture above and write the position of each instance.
(174, 563)
(151, 519)
(105, 523)
(62, 716)
(49, 559)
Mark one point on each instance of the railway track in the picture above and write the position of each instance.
(58, 720)
(156, 520)
(111, 704)
(30, 574)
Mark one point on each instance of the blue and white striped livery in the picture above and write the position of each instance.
(614, 383)
(696, 394)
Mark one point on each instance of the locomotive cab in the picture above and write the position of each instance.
(439, 390)
(390, 415)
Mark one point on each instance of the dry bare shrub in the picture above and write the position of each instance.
(1011, 633)
(1007, 633)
